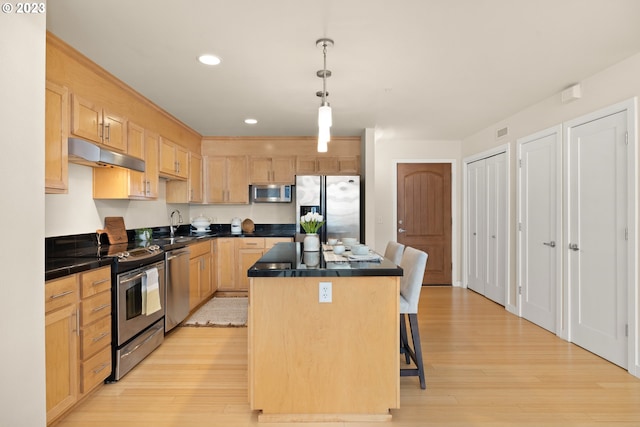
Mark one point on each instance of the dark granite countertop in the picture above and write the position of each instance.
(290, 260)
(60, 267)
(65, 255)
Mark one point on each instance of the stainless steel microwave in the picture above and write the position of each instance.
(272, 193)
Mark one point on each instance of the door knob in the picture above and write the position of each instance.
(574, 246)
(551, 244)
(401, 230)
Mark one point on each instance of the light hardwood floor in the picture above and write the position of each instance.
(484, 367)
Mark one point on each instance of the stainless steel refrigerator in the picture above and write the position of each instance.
(336, 198)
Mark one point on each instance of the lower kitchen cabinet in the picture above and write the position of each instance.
(225, 263)
(248, 250)
(200, 277)
(77, 337)
(61, 360)
(61, 345)
(234, 256)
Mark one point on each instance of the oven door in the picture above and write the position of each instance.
(131, 318)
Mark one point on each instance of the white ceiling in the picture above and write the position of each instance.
(417, 69)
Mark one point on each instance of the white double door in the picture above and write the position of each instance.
(588, 250)
(487, 226)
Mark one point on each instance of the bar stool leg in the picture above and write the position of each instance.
(417, 347)
(404, 341)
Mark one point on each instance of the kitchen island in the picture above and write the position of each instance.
(323, 361)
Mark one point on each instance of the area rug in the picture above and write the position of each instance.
(229, 311)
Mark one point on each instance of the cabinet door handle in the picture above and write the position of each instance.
(102, 307)
(60, 295)
(99, 282)
(108, 126)
(100, 368)
(99, 337)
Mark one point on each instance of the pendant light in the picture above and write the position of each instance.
(324, 112)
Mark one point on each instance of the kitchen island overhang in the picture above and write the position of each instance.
(323, 361)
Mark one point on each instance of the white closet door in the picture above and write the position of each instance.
(476, 229)
(539, 239)
(597, 226)
(496, 228)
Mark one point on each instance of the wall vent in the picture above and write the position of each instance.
(502, 132)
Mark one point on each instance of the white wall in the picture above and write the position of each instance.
(22, 83)
(610, 86)
(615, 84)
(77, 212)
(389, 152)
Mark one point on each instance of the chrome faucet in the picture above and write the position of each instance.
(172, 229)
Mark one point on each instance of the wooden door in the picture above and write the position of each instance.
(597, 246)
(260, 170)
(195, 178)
(424, 215)
(237, 178)
(86, 119)
(61, 360)
(151, 164)
(215, 170)
(56, 135)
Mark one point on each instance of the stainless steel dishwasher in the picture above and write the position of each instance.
(177, 287)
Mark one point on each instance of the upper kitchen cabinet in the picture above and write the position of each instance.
(227, 180)
(119, 183)
(174, 160)
(95, 123)
(90, 103)
(276, 160)
(56, 135)
(273, 170)
(189, 191)
(327, 165)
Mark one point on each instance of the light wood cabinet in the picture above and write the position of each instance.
(77, 337)
(225, 260)
(227, 180)
(189, 191)
(327, 165)
(200, 283)
(98, 124)
(273, 170)
(95, 327)
(119, 183)
(56, 123)
(248, 251)
(174, 159)
(235, 255)
(61, 345)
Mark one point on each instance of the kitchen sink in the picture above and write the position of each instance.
(172, 240)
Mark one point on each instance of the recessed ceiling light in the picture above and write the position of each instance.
(209, 59)
(250, 121)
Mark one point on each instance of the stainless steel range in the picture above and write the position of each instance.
(138, 297)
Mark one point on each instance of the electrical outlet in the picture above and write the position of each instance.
(324, 292)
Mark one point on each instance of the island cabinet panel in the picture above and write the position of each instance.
(340, 364)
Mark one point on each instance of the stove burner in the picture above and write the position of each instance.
(138, 253)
